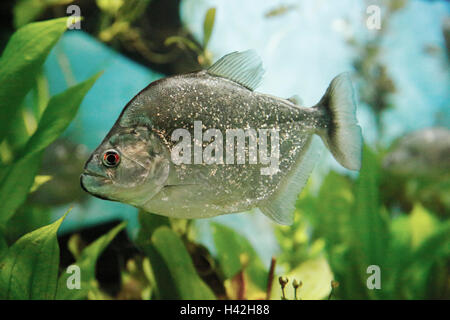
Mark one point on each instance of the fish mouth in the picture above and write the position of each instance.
(93, 174)
(89, 191)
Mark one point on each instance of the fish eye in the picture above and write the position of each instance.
(111, 158)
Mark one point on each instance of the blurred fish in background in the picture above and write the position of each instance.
(63, 163)
(422, 153)
(417, 169)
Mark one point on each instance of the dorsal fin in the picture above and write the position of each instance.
(244, 68)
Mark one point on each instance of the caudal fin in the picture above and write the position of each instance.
(343, 135)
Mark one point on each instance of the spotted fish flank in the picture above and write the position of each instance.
(222, 98)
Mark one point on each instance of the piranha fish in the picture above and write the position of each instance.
(133, 164)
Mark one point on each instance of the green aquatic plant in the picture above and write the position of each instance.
(204, 56)
(29, 267)
(26, 11)
(376, 84)
(412, 250)
(117, 17)
(17, 75)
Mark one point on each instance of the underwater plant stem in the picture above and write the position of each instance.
(270, 277)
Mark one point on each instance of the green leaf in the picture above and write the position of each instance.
(20, 63)
(19, 176)
(60, 111)
(87, 263)
(41, 96)
(131, 10)
(25, 11)
(165, 284)
(3, 245)
(330, 211)
(26, 219)
(208, 26)
(29, 270)
(183, 41)
(395, 280)
(39, 181)
(232, 249)
(172, 250)
(435, 246)
(15, 185)
(149, 222)
(370, 227)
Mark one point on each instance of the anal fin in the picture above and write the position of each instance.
(280, 207)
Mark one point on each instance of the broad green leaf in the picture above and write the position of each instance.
(233, 250)
(330, 211)
(25, 11)
(435, 246)
(15, 185)
(172, 250)
(208, 26)
(20, 131)
(3, 245)
(19, 176)
(29, 269)
(165, 284)
(20, 63)
(86, 263)
(60, 111)
(370, 229)
(26, 219)
(397, 257)
(41, 96)
(148, 223)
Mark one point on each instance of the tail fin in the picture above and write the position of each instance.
(343, 135)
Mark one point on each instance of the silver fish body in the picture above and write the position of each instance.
(220, 98)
